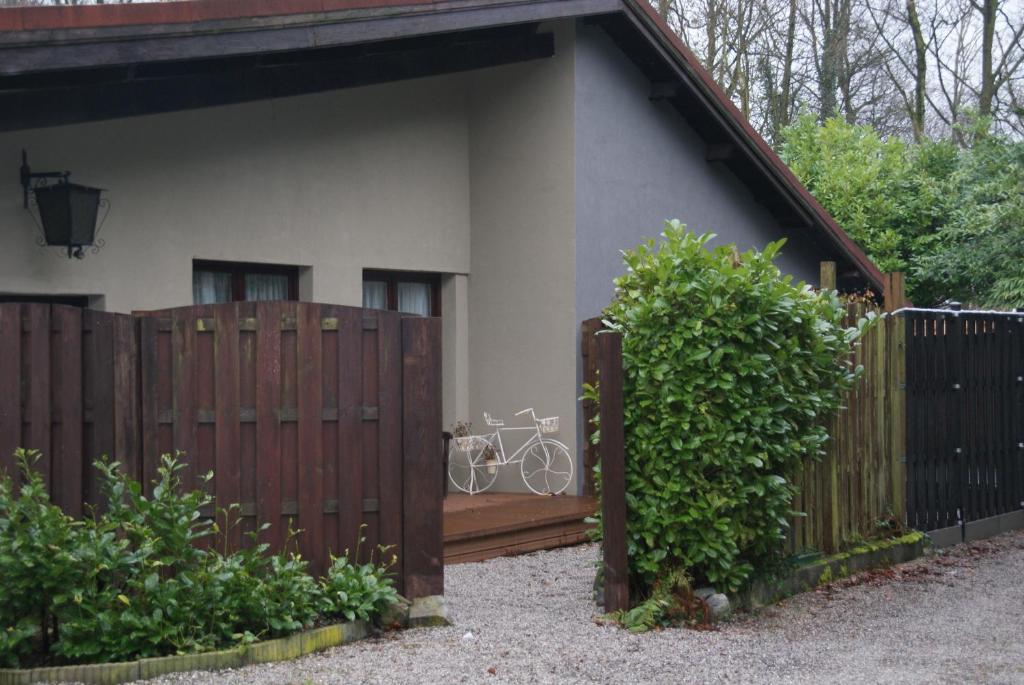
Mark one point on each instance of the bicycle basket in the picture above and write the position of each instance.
(548, 425)
(468, 443)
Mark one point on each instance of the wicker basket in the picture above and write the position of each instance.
(548, 425)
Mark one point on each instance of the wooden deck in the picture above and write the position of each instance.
(501, 524)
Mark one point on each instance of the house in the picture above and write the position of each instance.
(479, 160)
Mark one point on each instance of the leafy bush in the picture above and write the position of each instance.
(358, 591)
(729, 370)
(133, 583)
(875, 188)
(36, 561)
(977, 256)
(951, 217)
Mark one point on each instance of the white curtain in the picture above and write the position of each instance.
(211, 287)
(414, 298)
(375, 295)
(260, 287)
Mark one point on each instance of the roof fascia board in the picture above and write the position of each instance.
(98, 50)
(749, 141)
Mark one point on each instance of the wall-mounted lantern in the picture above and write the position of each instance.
(68, 211)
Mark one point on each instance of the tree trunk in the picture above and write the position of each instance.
(989, 9)
(712, 36)
(920, 71)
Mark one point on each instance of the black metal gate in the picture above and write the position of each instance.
(965, 416)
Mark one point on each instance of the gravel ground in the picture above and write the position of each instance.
(953, 617)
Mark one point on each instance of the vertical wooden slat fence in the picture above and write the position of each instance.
(314, 418)
(859, 484)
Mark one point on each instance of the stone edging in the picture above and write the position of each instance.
(282, 649)
(823, 571)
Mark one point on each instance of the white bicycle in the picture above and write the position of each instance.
(545, 463)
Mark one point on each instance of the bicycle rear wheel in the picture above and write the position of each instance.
(547, 467)
(472, 471)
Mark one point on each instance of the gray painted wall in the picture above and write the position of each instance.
(637, 164)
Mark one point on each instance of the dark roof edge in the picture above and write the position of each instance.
(59, 17)
(648, 20)
(112, 45)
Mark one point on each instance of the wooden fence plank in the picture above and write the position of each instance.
(10, 381)
(68, 466)
(350, 427)
(38, 386)
(183, 358)
(149, 399)
(389, 430)
(422, 537)
(227, 459)
(310, 436)
(99, 396)
(126, 400)
(268, 426)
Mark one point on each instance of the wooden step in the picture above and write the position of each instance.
(502, 524)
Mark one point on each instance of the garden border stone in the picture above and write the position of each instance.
(282, 649)
(875, 554)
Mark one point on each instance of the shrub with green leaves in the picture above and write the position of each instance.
(355, 591)
(37, 561)
(730, 369)
(133, 582)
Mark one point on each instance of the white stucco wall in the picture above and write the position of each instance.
(340, 181)
(522, 312)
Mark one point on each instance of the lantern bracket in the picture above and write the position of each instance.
(27, 176)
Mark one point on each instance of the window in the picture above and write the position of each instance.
(402, 291)
(216, 282)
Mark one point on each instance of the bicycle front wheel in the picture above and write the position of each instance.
(547, 467)
(472, 471)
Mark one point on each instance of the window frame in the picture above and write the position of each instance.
(239, 270)
(393, 278)
(80, 301)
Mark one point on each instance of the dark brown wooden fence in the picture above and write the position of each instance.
(313, 417)
(965, 402)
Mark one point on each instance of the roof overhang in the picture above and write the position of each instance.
(113, 60)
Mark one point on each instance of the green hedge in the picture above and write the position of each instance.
(730, 370)
(132, 582)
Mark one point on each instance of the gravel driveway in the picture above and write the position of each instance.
(953, 617)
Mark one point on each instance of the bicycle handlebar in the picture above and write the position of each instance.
(520, 413)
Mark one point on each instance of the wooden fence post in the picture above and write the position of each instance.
(613, 473)
(893, 294)
(422, 499)
(896, 415)
(828, 276)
